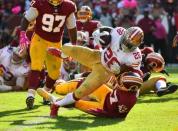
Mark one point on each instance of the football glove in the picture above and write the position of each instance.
(24, 42)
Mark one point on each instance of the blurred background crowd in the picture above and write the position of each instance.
(157, 18)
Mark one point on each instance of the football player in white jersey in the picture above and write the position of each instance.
(121, 51)
(13, 69)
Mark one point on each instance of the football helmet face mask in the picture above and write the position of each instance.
(70, 64)
(18, 55)
(155, 62)
(131, 39)
(55, 2)
(129, 81)
(84, 14)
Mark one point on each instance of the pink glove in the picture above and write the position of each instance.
(56, 52)
(24, 42)
(16, 10)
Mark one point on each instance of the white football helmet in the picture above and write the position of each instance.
(18, 55)
(131, 39)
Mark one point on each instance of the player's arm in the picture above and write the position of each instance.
(30, 15)
(71, 26)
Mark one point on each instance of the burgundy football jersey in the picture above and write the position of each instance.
(118, 103)
(51, 20)
(88, 27)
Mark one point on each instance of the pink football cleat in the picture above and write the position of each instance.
(54, 111)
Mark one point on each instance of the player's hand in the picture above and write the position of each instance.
(164, 72)
(56, 52)
(24, 42)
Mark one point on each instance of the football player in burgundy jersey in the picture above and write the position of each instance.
(85, 22)
(154, 62)
(104, 101)
(51, 16)
(121, 51)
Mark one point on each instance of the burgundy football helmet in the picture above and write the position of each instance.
(155, 62)
(129, 81)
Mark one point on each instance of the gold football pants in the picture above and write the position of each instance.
(149, 85)
(92, 59)
(98, 96)
(39, 56)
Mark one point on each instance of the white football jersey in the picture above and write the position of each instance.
(64, 74)
(113, 56)
(17, 70)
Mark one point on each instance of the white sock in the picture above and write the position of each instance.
(160, 85)
(31, 92)
(4, 88)
(68, 99)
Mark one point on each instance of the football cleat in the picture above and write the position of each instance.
(46, 102)
(171, 88)
(30, 102)
(54, 111)
(47, 97)
(56, 52)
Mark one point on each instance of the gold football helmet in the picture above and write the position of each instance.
(55, 2)
(84, 14)
(131, 39)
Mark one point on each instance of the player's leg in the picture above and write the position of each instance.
(148, 85)
(82, 54)
(96, 78)
(68, 86)
(98, 95)
(53, 65)
(159, 85)
(37, 55)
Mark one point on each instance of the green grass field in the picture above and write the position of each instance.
(151, 113)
